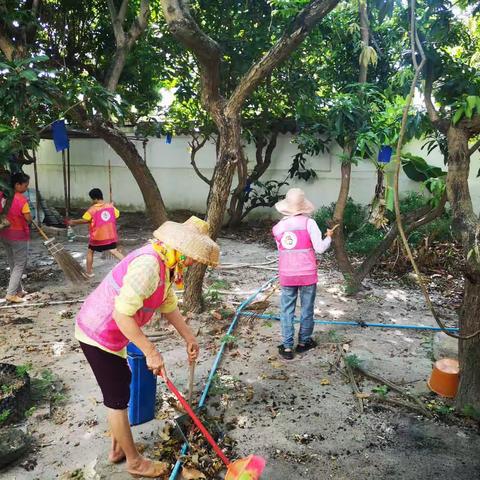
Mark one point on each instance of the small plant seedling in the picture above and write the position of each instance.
(22, 370)
(30, 411)
(471, 412)
(7, 389)
(353, 361)
(335, 337)
(440, 408)
(382, 390)
(229, 339)
(4, 416)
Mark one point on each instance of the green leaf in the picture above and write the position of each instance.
(458, 115)
(29, 75)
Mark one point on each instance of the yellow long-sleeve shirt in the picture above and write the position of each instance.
(139, 283)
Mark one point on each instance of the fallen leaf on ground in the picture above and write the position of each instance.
(362, 395)
(324, 381)
(192, 474)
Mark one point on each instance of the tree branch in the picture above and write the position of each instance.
(124, 42)
(206, 50)
(195, 146)
(117, 20)
(140, 23)
(439, 123)
(263, 161)
(6, 46)
(473, 149)
(300, 27)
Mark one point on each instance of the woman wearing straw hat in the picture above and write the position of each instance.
(298, 238)
(113, 314)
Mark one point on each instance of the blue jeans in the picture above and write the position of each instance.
(288, 302)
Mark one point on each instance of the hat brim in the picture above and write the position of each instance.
(285, 208)
(189, 241)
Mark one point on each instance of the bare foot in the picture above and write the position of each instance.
(147, 468)
(116, 456)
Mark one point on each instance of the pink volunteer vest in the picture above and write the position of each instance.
(18, 231)
(95, 317)
(296, 262)
(103, 228)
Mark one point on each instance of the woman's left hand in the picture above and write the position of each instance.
(192, 350)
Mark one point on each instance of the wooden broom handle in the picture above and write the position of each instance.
(40, 231)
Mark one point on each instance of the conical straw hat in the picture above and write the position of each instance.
(295, 203)
(190, 238)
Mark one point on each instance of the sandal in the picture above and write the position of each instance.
(286, 353)
(155, 470)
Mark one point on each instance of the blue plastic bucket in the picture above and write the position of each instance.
(143, 388)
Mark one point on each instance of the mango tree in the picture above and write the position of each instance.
(225, 104)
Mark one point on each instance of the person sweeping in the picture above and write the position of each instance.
(102, 220)
(15, 237)
(298, 238)
(115, 312)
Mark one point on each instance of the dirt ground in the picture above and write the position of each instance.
(300, 415)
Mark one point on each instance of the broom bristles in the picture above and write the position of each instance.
(70, 267)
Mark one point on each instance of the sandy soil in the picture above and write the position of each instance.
(300, 415)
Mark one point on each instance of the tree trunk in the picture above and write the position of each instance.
(236, 209)
(128, 152)
(469, 350)
(338, 238)
(466, 224)
(116, 69)
(230, 152)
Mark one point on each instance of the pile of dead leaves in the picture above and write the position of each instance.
(200, 462)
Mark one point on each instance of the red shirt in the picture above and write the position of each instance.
(18, 230)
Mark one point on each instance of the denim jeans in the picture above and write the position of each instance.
(288, 302)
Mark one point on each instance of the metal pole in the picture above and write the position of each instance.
(65, 193)
(37, 192)
(68, 179)
(110, 179)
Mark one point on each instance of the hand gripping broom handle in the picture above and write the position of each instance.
(197, 421)
(40, 231)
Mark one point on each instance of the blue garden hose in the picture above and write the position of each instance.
(353, 324)
(201, 403)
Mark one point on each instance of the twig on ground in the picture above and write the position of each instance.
(398, 403)
(353, 382)
(396, 388)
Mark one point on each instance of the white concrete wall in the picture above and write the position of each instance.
(180, 186)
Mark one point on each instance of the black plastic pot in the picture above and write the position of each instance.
(18, 400)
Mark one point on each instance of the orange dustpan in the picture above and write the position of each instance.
(249, 468)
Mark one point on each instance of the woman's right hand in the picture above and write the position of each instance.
(156, 364)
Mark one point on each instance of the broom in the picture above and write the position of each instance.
(70, 267)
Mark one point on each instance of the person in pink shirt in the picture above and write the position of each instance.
(15, 238)
(298, 238)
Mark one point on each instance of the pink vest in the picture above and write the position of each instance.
(296, 262)
(95, 317)
(103, 227)
(18, 231)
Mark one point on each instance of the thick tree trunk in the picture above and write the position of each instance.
(469, 350)
(466, 224)
(338, 238)
(229, 154)
(128, 152)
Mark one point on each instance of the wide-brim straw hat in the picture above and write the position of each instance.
(191, 238)
(295, 203)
